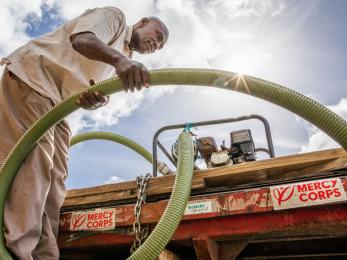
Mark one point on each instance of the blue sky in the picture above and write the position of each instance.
(299, 44)
(47, 22)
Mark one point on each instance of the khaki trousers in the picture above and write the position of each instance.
(31, 218)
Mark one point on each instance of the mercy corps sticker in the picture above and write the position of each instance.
(307, 193)
(99, 219)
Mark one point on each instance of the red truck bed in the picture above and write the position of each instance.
(302, 216)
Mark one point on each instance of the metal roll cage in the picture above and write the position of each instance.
(156, 143)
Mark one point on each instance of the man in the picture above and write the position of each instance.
(39, 75)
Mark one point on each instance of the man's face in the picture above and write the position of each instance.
(150, 37)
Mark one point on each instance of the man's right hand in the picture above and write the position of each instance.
(133, 74)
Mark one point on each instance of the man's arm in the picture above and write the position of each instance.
(133, 74)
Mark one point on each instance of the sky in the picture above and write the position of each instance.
(300, 44)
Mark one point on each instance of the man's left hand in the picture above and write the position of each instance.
(92, 100)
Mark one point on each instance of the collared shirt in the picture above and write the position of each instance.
(53, 68)
(127, 41)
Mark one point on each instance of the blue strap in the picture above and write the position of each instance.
(188, 127)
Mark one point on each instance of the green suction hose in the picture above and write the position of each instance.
(162, 167)
(176, 206)
(174, 211)
(115, 138)
(312, 111)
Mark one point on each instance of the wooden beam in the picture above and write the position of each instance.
(271, 169)
(168, 255)
(229, 250)
(205, 248)
(301, 169)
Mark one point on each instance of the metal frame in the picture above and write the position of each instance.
(269, 150)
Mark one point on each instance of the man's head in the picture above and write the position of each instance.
(149, 34)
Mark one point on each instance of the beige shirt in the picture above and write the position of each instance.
(49, 64)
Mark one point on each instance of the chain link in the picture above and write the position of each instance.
(140, 232)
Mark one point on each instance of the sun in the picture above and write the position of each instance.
(245, 61)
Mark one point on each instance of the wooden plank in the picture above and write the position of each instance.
(229, 250)
(205, 248)
(127, 185)
(250, 176)
(159, 185)
(98, 198)
(275, 167)
(270, 169)
(168, 255)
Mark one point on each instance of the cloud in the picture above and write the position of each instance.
(265, 38)
(114, 179)
(318, 140)
(222, 34)
(190, 25)
(13, 24)
(120, 105)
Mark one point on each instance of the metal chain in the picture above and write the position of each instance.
(140, 233)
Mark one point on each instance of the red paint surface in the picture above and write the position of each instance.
(241, 214)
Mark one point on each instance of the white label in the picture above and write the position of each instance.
(99, 219)
(307, 193)
(198, 207)
(220, 158)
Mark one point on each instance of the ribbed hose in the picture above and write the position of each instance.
(176, 206)
(174, 211)
(312, 111)
(115, 138)
(162, 167)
